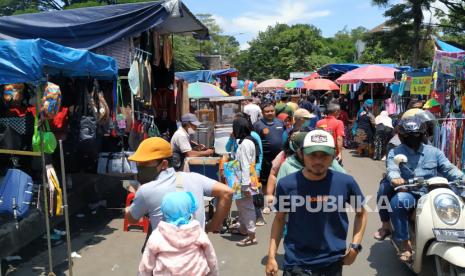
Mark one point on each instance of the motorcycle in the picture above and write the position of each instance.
(437, 227)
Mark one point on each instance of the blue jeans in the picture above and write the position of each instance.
(402, 203)
(385, 194)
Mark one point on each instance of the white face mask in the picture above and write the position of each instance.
(190, 131)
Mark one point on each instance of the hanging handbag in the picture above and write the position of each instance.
(98, 105)
(89, 141)
(116, 164)
(50, 142)
(88, 122)
(9, 138)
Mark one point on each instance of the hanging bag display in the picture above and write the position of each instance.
(13, 93)
(116, 164)
(9, 138)
(120, 117)
(56, 198)
(89, 141)
(51, 100)
(50, 142)
(88, 123)
(16, 194)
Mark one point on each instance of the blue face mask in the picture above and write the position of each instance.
(306, 124)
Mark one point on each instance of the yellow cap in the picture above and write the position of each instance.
(152, 149)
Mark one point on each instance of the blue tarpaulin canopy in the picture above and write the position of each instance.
(195, 76)
(90, 28)
(443, 46)
(32, 59)
(204, 75)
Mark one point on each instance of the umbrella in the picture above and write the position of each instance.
(199, 90)
(431, 103)
(321, 84)
(368, 74)
(295, 84)
(272, 83)
(312, 76)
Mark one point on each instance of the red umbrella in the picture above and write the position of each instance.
(312, 76)
(272, 83)
(321, 84)
(368, 74)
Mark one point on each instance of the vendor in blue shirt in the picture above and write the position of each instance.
(270, 131)
(317, 226)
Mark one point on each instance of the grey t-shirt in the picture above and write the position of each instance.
(149, 196)
(180, 143)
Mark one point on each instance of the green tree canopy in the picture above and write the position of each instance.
(408, 17)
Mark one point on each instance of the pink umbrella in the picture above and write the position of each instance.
(321, 84)
(272, 83)
(368, 74)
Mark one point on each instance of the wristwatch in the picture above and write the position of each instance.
(356, 246)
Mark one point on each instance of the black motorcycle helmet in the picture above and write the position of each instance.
(412, 132)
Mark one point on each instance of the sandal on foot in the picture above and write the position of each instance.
(247, 242)
(236, 231)
(382, 234)
(406, 256)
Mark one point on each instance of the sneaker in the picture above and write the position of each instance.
(266, 210)
(260, 222)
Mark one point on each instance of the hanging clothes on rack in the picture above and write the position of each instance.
(157, 53)
(147, 82)
(167, 51)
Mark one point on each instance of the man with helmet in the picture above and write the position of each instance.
(423, 161)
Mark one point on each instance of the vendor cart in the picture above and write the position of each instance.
(217, 116)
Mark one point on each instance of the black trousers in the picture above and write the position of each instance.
(332, 270)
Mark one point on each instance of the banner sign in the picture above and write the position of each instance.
(421, 86)
(449, 63)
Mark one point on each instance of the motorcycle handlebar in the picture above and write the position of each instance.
(418, 182)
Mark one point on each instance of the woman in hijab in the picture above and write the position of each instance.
(384, 130)
(179, 246)
(365, 129)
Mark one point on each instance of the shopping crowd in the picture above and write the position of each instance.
(279, 149)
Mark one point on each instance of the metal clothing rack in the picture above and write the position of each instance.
(450, 119)
(138, 50)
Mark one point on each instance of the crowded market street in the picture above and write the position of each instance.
(208, 138)
(116, 253)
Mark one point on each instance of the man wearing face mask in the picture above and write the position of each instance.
(427, 162)
(153, 157)
(181, 141)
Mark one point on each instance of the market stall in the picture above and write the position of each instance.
(447, 101)
(31, 63)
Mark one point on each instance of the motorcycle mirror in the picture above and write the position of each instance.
(400, 159)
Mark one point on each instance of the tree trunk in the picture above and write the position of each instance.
(417, 21)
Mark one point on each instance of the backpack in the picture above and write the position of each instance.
(16, 193)
(13, 93)
(51, 100)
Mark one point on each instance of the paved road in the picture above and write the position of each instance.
(113, 252)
